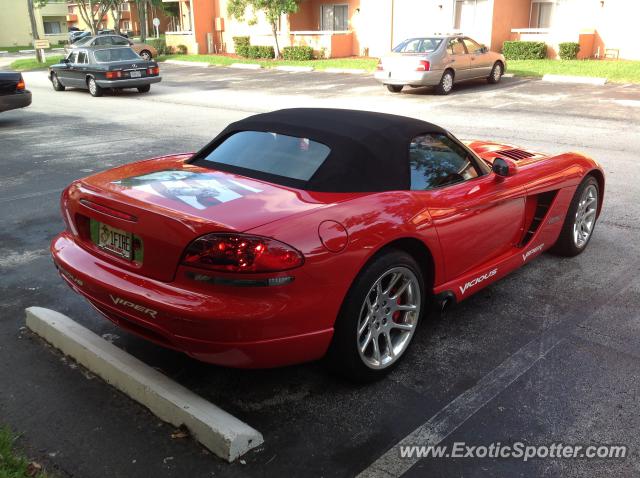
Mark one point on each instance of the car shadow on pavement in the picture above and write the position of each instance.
(467, 87)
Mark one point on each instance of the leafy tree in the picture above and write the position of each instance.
(116, 13)
(272, 9)
(92, 12)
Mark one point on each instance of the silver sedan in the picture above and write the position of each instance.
(440, 61)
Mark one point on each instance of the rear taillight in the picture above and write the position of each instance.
(241, 253)
(153, 70)
(379, 66)
(113, 74)
(423, 65)
(20, 86)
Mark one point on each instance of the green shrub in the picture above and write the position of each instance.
(182, 49)
(159, 44)
(241, 45)
(569, 50)
(524, 50)
(298, 53)
(259, 52)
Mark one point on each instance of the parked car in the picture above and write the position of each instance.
(305, 232)
(13, 92)
(144, 50)
(77, 35)
(96, 68)
(440, 61)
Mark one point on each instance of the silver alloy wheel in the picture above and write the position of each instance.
(388, 317)
(92, 86)
(497, 72)
(585, 216)
(447, 82)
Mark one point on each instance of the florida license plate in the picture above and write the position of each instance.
(136, 74)
(113, 240)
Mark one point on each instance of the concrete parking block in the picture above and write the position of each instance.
(295, 69)
(584, 80)
(202, 64)
(26, 51)
(246, 66)
(220, 432)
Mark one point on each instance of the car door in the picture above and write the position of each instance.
(80, 68)
(480, 59)
(477, 216)
(65, 73)
(457, 58)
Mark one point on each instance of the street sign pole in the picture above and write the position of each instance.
(156, 25)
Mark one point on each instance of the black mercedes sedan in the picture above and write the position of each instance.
(13, 93)
(99, 68)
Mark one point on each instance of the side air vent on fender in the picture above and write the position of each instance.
(516, 154)
(543, 203)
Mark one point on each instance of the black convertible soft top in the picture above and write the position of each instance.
(369, 151)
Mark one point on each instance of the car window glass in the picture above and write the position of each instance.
(102, 41)
(119, 41)
(456, 47)
(115, 54)
(82, 57)
(418, 45)
(271, 153)
(73, 57)
(471, 45)
(436, 160)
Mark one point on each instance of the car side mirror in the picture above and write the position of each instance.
(483, 49)
(130, 43)
(503, 167)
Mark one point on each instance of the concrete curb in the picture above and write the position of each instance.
(26, 51)
(203, 64)
(220, 432)
(295, 69)
(584, 80)
(246, 66)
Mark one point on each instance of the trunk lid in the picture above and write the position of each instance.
(165, 204)
(9, 82)
(402, 62)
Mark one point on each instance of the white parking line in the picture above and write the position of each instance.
(220, 432)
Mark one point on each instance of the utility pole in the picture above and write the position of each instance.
(34, 30)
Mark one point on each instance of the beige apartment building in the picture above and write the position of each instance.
(15, 26)
(372, 27)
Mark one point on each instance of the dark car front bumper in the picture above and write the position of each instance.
(129, 83)
(15, 100)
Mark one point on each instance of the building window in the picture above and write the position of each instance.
(70, 9)
(471, 15)
(126, 25)
(541, 14)
(51, 28)
(124, 7)
(334, 17)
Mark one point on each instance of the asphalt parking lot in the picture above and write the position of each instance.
(549, 354)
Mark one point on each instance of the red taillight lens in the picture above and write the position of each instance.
(20, 86)
(379, 66)
(153, 71)
(423, 65)
(113, 74)
(241, 253)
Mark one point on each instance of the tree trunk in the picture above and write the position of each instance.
(116, 14)
(274, 28)
(142, 16)
(34, 30)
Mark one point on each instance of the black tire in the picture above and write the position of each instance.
(567, 245)
(496, 73)
(344, 356)
(146, 55)
(95, 89)
(446, 83)
(56, 83)
(144, 89)
(395, 88)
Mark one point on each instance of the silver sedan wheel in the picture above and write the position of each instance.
(388, 318)
(497, 72)
(447, 82)
(585, 216)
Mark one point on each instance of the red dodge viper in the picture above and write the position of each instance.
(305, 233)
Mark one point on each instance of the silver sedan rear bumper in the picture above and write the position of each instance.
(414, 78)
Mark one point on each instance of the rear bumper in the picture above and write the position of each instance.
(17, 100)
(246, 327)
(414, 78)
(131, 83)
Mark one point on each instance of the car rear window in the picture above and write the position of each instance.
(418, 45)
(271, 153)
(115, 54)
